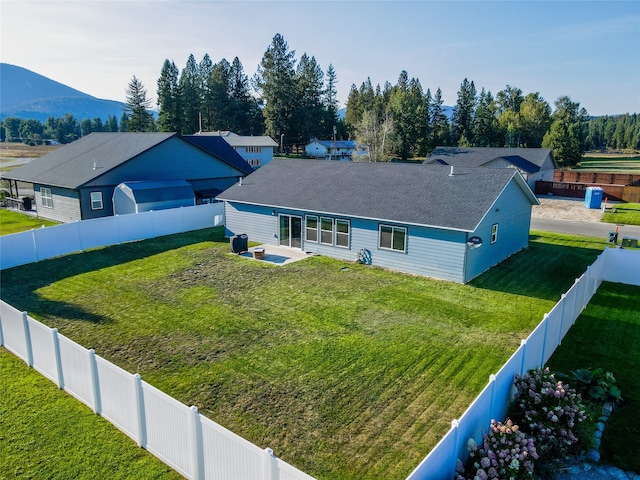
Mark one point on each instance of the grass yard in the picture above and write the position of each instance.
(346, 371)
(607, 335)
(46, 433)
(612, 163)
(626, 214)
(14, 222)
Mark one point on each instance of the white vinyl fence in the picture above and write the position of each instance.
(178, 435)
(40, 244)
(613, 265)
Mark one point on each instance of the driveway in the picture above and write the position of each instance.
(589, 229)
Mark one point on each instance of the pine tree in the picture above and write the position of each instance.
(509, 101)
(485, 127)
(463, 113)
(535, 118)
(137, 105)
(310, 112)
(245, 115)
(190, 97)
(439, 124)
(275, 82)
(169, 98)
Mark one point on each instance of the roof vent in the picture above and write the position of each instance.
(240, 180)
(451, 172)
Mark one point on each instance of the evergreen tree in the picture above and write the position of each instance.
(245, 114)
(85, 127)
(190, 97)
(97, 125)
(410, 116)
(124, 122)
(169, 98)
(275, 82)
(439, 126)
(567, 135)
(330, 96)
(112, 124)
(217, 102)
(485, 127)
(463, 113)
(137, 105)
(310, 112)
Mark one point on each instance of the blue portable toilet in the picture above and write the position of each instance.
(593, 197)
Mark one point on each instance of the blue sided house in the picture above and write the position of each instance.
(103, 174)
(451, 223)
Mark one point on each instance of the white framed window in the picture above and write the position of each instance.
(96, 201)
(326, 231)
(494, 233)
(392, 238)
(312, 228)
(343, 229)
(47, 199)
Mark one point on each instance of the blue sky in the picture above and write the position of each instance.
(588, 50)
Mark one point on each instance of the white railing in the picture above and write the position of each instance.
(613, 265)
(193, 445)
(40, 244)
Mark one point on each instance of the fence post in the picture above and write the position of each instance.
(79, 235)
(27, 338)
(545, 319)
(455, 423)
(56, 351)
(35, 244)
(97, 404)
(492, 381)
(142, 424)
(269, 463)
(1, 334)
(560, 328)
(197, 444)
(574, 315)
(523, 344)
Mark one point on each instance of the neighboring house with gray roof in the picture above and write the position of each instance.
(256, 150)
(533, 163)
(411, 218)
(77, 181)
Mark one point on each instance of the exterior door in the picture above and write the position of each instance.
(291, 231)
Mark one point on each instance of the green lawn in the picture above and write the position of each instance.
(626, 214)
(14, 222)
(607, 335)
(346, 371)
(46, 433)
(618, 164)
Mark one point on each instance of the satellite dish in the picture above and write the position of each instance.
(474, 242)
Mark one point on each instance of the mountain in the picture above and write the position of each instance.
(28, 95)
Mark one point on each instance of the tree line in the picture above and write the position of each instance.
(293, 100)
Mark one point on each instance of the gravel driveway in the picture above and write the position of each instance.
(562, 208)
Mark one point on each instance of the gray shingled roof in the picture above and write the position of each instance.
(73, 165)
(401, 193)
(528, 159)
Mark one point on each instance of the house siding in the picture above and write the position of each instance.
(66, 204)
(85, 202)
(430, 252)
(512, 213)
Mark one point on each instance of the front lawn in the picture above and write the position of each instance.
(14, 222)
(607, 335)
(625, 214)
(346, 371)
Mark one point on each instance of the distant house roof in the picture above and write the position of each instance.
(85, 159)
(528, 159)
(397, 193)
(221, 149)
(236, 140)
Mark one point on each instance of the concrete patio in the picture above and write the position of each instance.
(275, 254)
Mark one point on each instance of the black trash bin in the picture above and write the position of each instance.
(26, 203)
(239, 243)
(613, 237)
